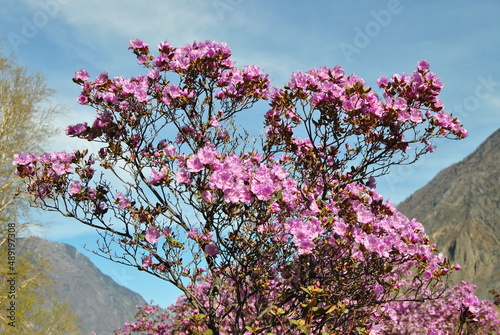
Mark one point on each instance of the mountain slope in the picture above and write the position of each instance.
(460, 209)
(101, 304)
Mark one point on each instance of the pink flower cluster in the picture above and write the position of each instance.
(125, 98)
(173, 92)
(208, 57)
(56, 174)
(122, 201)
(458, 311)
(45, 171)
(59, 162)
(248, 82)
(240, 178)
(205, 240)
(345, 102)
(150, 319)
(390, 235)
(305, 234)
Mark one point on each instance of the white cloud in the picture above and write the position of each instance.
(58, 229)
(98, 23)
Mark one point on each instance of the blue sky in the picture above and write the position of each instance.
(461, 40)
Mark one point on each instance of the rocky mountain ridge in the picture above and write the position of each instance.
(101, 304)
(460, 209)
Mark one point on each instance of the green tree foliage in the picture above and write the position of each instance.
(37, 309)
(25, 116)
(25, 124)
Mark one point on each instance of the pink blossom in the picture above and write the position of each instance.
(173, 92)
(279, 172)
(170, 151)
(152, 235)
(194, 163)
(423, 65)
(61, 168)
(430, 147)
(82, 99)
(193, 233)
(102, 78)
(382, 82)
(90, 192)
(81, 75)
(263, 191)
(208, 154)
(211, 249)
(147, 261)
(340, 227)
(154, 74)
(372, 183)
(164, 47)
(22, 158)
(122, 201)
(157, 177)
(183, 177)
(378, 289)
(214, 122)
(274, 207)
(206, 196)
(128, 86)
(137, 44)
(416, 115)
(75, 187)
(76, 129)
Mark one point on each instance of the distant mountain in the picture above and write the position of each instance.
(101, 304)
(460, 209)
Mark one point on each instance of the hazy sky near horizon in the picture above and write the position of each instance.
(460, 39)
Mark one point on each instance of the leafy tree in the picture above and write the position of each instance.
(280, 233)
(25, 124)
(25, 115)
(36, 310)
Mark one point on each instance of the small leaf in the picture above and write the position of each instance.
(331, 309)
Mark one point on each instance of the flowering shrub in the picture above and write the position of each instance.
(458, 311)
(150, 320)
(283, 233)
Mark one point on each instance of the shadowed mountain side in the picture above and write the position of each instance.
(101, 304)
(460, 209)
